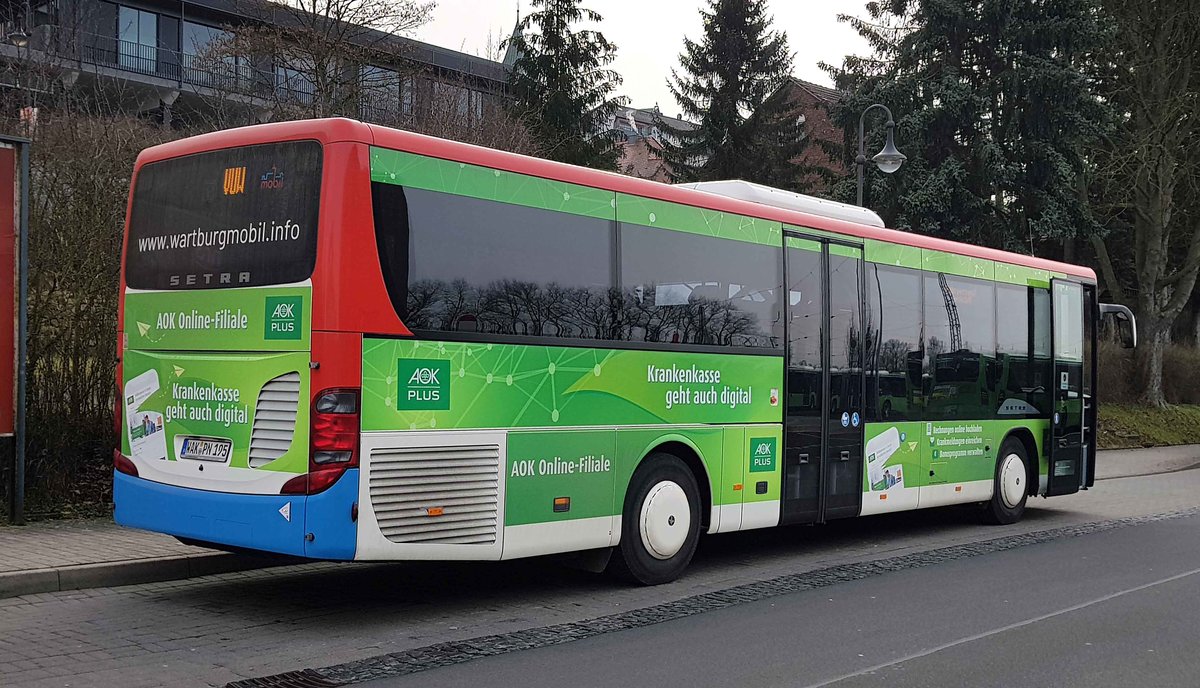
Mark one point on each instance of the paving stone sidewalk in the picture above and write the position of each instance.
(53, 544)
(48, 556)
(67, 555)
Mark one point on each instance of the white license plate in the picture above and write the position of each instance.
(206, 448)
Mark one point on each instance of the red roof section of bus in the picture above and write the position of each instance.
(324, 130)
(333, 130)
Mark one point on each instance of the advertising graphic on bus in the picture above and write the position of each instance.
(345, 342)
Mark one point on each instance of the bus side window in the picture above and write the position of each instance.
(1013, 345)
(894, 319)
(1041, 365)
(960, 340)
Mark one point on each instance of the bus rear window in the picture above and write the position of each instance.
(239, 217)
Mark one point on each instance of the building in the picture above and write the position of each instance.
(812, 104)
(641, 138)
(173, 60)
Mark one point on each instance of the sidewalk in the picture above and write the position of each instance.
(1126, 463)
(49, 556)
(70, 555)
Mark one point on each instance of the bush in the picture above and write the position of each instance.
(80, 169)
(1181, 365)
(1116, 374)
(1119, 379)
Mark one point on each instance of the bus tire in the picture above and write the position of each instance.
(1009, 492)
(657, 543)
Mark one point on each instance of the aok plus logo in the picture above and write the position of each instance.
(283, 317)
(762, 454)
(423, 385)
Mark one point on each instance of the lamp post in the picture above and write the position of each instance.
(887, 160)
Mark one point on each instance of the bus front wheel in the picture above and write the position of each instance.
(660, 523)
(1010, 492)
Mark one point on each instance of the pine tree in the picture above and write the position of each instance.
(562, 86)
(731, 86)
(996, 109)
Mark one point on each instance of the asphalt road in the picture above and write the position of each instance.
(936, 578)
(1112, 608)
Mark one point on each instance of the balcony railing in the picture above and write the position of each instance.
(225, 74)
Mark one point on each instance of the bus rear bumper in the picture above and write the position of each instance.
(320, 526)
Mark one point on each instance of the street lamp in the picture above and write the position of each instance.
(18, 38)
(887, 160)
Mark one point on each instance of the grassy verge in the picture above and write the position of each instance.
(1126, 426)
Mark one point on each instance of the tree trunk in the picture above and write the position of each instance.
(1150, 360)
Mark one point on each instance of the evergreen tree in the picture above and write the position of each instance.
(731, 85)
(562, 86)
(996, 110)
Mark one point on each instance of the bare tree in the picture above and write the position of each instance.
(81, 162)
(490, 123)
(1151, 257)
(322, 58)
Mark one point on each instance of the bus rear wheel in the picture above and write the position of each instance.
(1010, 491)
(660, 523)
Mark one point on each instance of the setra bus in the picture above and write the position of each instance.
(346, 342)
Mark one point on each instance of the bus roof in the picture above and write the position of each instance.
(336, 130)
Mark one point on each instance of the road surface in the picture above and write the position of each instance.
(1110, 608)
(937, 577)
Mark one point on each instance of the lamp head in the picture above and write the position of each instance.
(889, 159)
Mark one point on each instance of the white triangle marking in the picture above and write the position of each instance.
(286, 512)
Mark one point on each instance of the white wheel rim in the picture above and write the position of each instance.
(1012, 480)
(665, 520)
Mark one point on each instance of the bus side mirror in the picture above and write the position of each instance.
(1122, 319)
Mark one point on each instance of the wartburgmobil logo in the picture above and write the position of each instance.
(235, 180)
(423, 384)
(762, 454)
(271, 179)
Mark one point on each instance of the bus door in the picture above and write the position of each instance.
(1069, 431)
(824, 386)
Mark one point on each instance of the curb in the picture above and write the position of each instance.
(130, 572)
(161, 569)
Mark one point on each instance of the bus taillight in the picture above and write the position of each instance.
(333, 438)
(334, 433)
(123, 465)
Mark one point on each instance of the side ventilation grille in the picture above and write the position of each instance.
(437, 495)
(274, 419)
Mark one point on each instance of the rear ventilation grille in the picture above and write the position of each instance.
(274, 419)
(437, 495)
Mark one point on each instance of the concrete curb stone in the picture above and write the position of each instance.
(111, 574)
(1110, 464)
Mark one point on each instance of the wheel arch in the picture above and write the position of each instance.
(1025, 437)
(683, 449)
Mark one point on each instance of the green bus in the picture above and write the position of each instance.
(345, 342)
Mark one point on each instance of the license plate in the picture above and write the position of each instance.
(206, 448)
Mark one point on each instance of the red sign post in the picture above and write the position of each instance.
(9, 209)
(14, 288)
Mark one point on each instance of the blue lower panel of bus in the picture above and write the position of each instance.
(255, 522)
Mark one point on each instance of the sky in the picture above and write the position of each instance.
(649, 36)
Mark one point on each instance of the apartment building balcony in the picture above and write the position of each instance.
(216, 75)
